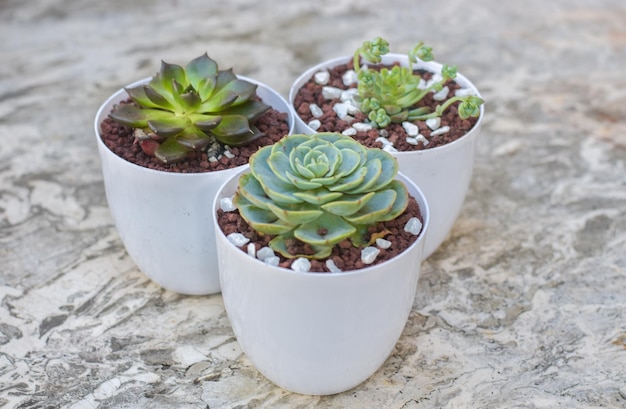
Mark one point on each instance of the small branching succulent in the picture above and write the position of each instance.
(184, 109)
(388, 95)
(320, 190)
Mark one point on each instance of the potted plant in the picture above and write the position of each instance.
(319, 259)
(424, 113)
(166, 144)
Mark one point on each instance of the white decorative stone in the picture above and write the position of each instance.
(422, 84)
(321, 77)
(264, 252)
(421, 138)
(383, 133)
(362, 127)
(251, 249)
(433, 123)
(226, 204)
(238, 239)
(212, 159)
(350, 94)
(229, 154)
(332, 267)
(352, 108)
(315, 124)
(413, 226)
(442, 94)
(331, 92)
(384, 141)
(390, 148)
(440, 131)
(382, 243)
(301, 265)
(464, 92)
(411, 141)
(369, 254)
(410, 128)
(316, 111)
(341, 109)
(349, 132)
(272, 261)
(349, 77)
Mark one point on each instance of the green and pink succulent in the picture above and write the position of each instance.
(185, 109)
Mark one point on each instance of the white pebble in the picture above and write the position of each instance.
(440, 131)
(413, 226)
(362, 127)
(383, 133)
(229, 154)
(382, 243)
(411, 141)
(352, 109)
(272, 261)
(226, 204)
(341, 109)
(384, 141)
(212, 159)
(350, 94)
(390, 148)
(369, 254)
(264, 253)
(332, 267)
(316, 111)
(422, 84)
(349, 77)
(464, 92)
(442, 94)
(238, 239)
(322, 77)
(349, 132)
(251, 250)
(433, 123)
(301, 265)
(422, 139)
(331, 92)
(410, 128)
(315, 124)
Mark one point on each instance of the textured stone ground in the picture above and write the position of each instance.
(523, 306)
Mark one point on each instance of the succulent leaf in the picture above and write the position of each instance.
(389, 95)
(193, 107)
(327, 187)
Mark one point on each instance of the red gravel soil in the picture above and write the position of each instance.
(120, 140)
(345, 256)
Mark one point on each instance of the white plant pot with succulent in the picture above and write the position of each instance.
(443, 172)
(163, 217)
(311, 332)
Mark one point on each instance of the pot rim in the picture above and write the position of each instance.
(116, 96)
(387, 59)
(413, 189)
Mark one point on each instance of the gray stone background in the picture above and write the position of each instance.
(523, 306)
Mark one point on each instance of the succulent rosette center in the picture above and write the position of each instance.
(319, 190)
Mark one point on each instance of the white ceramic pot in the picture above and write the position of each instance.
(443, 173)
(317, 333)
(163, 217)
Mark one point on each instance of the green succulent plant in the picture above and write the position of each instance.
(388, 95)
(319, 189)
(183, 109)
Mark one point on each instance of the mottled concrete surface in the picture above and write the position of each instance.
(523, 306)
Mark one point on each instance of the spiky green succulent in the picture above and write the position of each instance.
(389, 95)
(182, 109)
(319, 189)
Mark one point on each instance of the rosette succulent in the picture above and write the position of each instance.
(182, 109)
(319, 189)
(389, 95)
